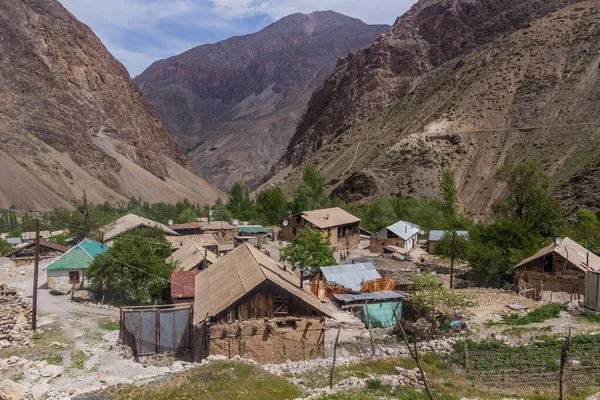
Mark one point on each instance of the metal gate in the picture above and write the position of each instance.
(592, 291)
(157, 329)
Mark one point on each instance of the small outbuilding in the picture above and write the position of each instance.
(222, 231)
(189, 228)
(436, 235)
(349, 278)
(560, 267)
(191, 255)
(342, 227)
(71, 266)
(248, 304)
(376, 309)
(402, 234)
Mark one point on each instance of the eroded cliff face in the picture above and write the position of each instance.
(72, 119)
(465, 85)
(235, 104)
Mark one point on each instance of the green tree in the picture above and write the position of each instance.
(449, 191)
(378, 214)
(187, 215)
(134, 269)
(444, 246)
(308, 251)
(586, 229)
(430, 294)
(273, 205)
(528, 198)
(310, 194)
(5, 247)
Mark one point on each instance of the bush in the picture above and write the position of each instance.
(547, 311)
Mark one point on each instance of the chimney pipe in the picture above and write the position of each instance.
(587, 259)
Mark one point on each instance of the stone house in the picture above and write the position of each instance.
(248, 304)
(342, 227)
(560, 267)
(402, 234)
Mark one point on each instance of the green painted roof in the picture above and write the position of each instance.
(78, 257)
(252, 229)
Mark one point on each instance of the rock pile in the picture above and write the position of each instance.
(15, 318)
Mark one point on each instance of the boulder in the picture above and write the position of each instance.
(60, 287)
(10, 390)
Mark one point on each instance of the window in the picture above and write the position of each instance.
(281, 306)
(73, 276)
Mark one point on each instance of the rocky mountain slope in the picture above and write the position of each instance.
(235, 104)
(466, 85)
(71, 119)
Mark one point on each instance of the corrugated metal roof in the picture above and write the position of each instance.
(236, 274)
(435, 236)
(404, 230)
(252, 229)
(572, 251)
(14, 241)
(78, 257)
(132, 221)
(329, 217)
(350, 275)
(362, 297)
(183, 284)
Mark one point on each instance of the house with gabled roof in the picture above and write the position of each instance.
(71, 267)
(402, 234)
(250, 305)
(130, 222)
(560, 267)
(342, 227)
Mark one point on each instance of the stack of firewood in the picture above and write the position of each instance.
(15, 318)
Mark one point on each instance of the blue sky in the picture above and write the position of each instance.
(139, 32)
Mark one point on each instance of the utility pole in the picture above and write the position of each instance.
(35, 272)
(452, 258)
(86, 221)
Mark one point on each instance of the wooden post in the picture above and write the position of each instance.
(369, 326)
(466, 353)
(452, 258)
(36, 270)
(334, 356)
(414, 354)
(563, 361)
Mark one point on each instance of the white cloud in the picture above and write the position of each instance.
(139, 32)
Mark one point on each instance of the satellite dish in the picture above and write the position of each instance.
(236, 222)
(558, 241)
(421, 232)
(170, 222)
(285, 222)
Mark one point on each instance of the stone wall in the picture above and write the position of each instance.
(268, 341)
(15, 318)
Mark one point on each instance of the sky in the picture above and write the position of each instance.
(139, 32)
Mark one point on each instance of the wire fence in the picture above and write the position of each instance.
(534, 370)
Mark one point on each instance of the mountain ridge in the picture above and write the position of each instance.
(64, 94)
(234, 104)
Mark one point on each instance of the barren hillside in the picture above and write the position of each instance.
(465, 85)
(234, 105)
(71, 119)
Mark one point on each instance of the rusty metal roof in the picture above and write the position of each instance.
(238, 273)
(183, 284)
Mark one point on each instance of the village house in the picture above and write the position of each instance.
(247, 304)
(404, 235)
(130, 222)
(189, 228)
(26, 254)
(560, 267)
(222, 231)
(71, 267)
(204, 240)
(436, 235)
(190, 254)
(254, 235)
(342, 227)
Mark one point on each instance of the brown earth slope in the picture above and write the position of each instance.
(466, 85)
(71, 119)
(235, 104)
